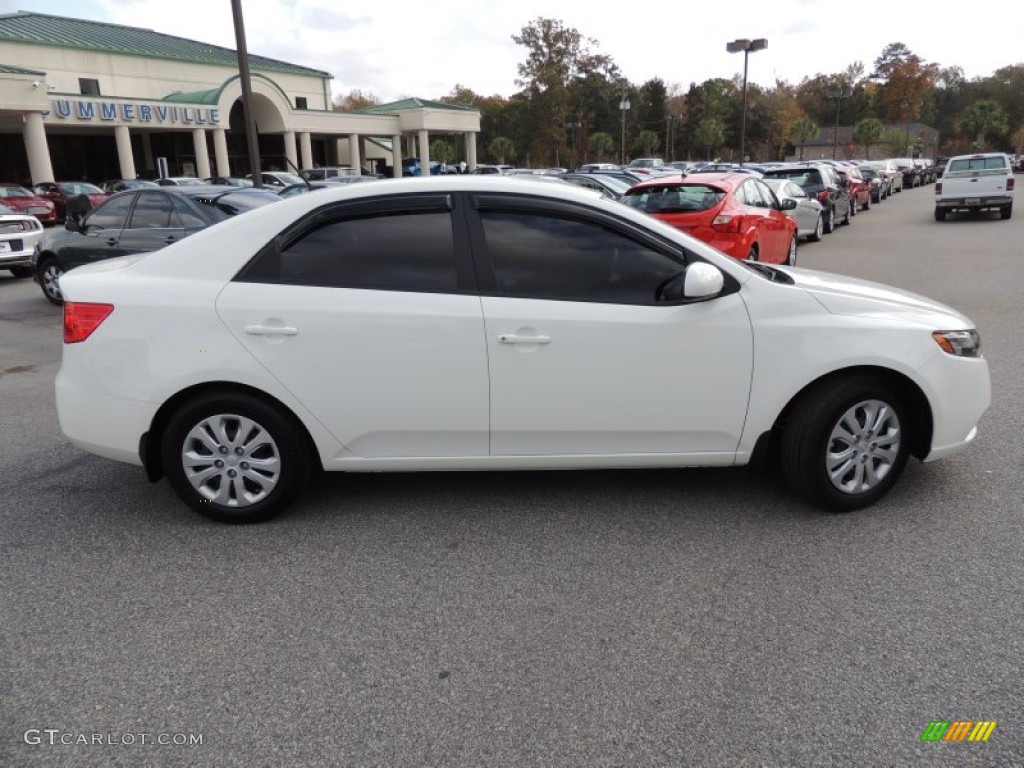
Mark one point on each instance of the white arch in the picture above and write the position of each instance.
(270, 106)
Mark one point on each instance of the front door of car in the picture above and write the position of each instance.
(584, 359)
(368, 314)
(152, 225)
(100, 235)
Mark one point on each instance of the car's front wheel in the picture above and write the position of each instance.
(50, 273)
(846, 442)
(234, 458)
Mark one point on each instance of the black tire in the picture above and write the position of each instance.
(49, 280)
(867, 204)
(292, 458)
(854, 206)
(1006, 211)
(849, 214)
(807, 439)
(791, 253)
(940, 214)
(819, 229)
(830, 219)
(21, 271)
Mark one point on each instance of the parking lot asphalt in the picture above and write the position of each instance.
(651, 617)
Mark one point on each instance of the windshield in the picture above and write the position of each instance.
(79, 188)
(237, 201)
(15, 191)
(689, 198)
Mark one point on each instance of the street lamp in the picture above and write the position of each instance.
(624, 106)
(837, 92)
(747, 46)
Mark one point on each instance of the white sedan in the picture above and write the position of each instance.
(468, 322)
(807, 213)
(19, 234)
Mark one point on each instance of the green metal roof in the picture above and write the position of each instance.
(64, 32)
(413, 103)
(210, 96)
(7, 69)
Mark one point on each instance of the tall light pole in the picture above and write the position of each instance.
(747, 46)
(243, 75)
(837, 92)
(624, 106)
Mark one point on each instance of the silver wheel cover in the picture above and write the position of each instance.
(51, 281)
(863, 446)
(231, 460)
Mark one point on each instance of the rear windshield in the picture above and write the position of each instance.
(233, 203)
(801, 176)
(12, 191)
(79, 188)
(687, 198)
(977, 164)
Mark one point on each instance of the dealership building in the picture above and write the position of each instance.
(86, 100)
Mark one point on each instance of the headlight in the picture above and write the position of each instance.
(959, 343)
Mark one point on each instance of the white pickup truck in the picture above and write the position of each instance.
(974, 183)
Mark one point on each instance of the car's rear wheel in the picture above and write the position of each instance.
(846, 442)
(1006, 211)
(867, 203)
(849, 213)
(819, 228)
(50, 273)
(234, 458)
(791, 253)
(853, 206)
(830, 219)
(21, 271)
(940, 214)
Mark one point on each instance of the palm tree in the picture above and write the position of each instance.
(601, 144)
(867, 132)
(501, 148)
(982, 118)
(441, 151)
(802, 130)
(710, 134)
(649, 142)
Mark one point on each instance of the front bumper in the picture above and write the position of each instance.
(959, 390)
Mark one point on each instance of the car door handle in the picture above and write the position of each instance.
(111, 241)
(270, 330)
(512, 338)
(170, 239)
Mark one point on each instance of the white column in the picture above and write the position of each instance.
(353, 151)
(471, 151)
(34, 135)
(306, 149)
(424, 148)
(220, 151)
(396, 155)
(339, 151)
(147, 151)
(124, 151)
(289, 151)
(202, 153)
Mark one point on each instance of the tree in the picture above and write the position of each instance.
(983, 118)
(648, 142)
(802, 130)
(355, 99)
(1018, 140)
(867, 132)
(602, 144)
(894, 142)
(907, 83)
(710, 135)
(442, 151)
(501, 148)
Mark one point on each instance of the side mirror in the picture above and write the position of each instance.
(702, 281)
(788, 204)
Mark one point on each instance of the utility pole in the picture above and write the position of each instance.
(243, 72)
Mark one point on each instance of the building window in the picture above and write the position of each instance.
(88, 86)
(300, 102)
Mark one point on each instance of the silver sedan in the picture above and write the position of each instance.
(809, 221)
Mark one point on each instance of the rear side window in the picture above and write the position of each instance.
(401, 251)
(977, 164)
(111, 214)
(153, 211)
(690, 198)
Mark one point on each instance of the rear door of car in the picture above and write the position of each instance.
(101, 235)
(584, 359)
(368, 313)
(152, 225)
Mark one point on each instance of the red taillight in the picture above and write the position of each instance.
(823, 196)
(725, 223)
(938, 187)
(80, 319)
(1009, 184)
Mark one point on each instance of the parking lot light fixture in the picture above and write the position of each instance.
(748, 47)
(624, 106)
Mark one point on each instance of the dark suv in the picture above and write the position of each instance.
(821, 183)
(136, 221)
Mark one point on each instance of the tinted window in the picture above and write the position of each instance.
(152, 211)
(188, 217)
(239, 201)
(537, 256)
(404, 251)
(752, 195)
(674, 199)
(767, 195)
(978, 164)
(112, 213)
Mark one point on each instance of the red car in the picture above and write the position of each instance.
(859, 187)
(733, 212)
(22, 201)
(59, 192)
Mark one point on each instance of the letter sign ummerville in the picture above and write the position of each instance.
(79, 109)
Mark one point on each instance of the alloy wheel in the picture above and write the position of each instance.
(231, 460)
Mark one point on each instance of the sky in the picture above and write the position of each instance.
(398, 48)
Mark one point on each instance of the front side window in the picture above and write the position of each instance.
(111, 214)
(401, 251)
(549, 257)
(153, 211)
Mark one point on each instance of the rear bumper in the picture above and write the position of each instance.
(973, 203)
